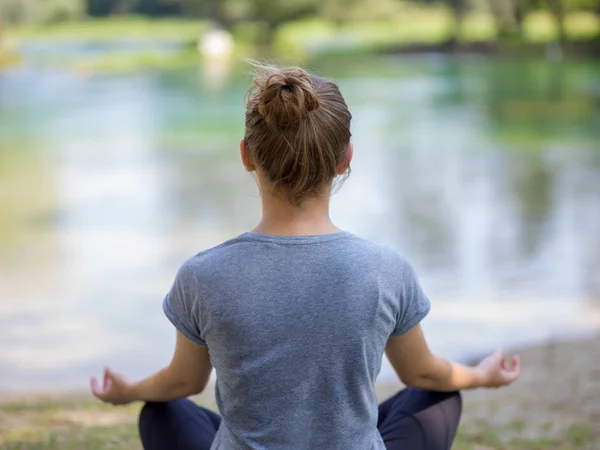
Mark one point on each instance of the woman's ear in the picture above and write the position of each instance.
(247, 159)
(345, 163)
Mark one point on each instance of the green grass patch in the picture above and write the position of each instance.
(52, 404)
(421, 26)
(582, 26)
(578, 434)
(517, 425)
(540, 27)
(116, 437)
(130, 62)
(81, 423)
(317, 36)
(478, 27)
(67, 424)
(492, 442)
(114, 29)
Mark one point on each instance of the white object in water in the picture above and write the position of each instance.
(216, 44)
(554, 52)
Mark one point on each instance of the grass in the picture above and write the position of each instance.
(65, 424)
(514, 437)
(115, 437)
(80, 423)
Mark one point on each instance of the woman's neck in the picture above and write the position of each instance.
(280, 217)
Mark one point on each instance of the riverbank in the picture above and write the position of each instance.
(554, 406)
(129, 43)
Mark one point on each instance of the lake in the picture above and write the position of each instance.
(485, 173)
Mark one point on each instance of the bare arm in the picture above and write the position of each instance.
(416, 366)
(187, 374)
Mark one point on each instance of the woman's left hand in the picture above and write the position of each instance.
(115, 388)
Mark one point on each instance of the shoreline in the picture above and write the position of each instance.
(386, 383)
(554, 406)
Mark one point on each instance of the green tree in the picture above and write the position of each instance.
(268, 14)
(271, 15)
(35, 11)
(338, 11)
(16, 11)
(508, 15)
(459, 10)
(557, 8)
(226, 13)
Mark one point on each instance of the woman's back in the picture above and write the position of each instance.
(295, 316)
(296, 327)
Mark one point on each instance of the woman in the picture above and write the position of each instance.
(295, 316)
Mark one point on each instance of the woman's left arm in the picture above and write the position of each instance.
(187, 374)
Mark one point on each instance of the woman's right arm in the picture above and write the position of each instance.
(418, 367)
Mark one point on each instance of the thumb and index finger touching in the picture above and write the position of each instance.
(510, 372)
(101, 390)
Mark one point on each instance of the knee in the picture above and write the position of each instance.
(455, 400)
(439, 396)
(455, 397)
(152, 416)
(451, 401)
(450, 407)
(150, 411)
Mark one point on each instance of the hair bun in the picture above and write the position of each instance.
(285, 96)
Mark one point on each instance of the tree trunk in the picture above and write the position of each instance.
(458, 13)
(268, 35)
(558, 11)
(520, 10)
(499, 15)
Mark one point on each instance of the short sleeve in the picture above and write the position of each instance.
(181, 303)
(413, 303)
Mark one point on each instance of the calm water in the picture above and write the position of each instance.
(485, 173)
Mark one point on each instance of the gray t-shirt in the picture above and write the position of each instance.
(296, 327)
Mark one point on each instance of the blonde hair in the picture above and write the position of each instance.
(297, 130)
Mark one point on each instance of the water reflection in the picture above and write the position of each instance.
(108, 183)
(215, 74)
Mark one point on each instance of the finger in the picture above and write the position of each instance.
(492, 358)
(96, 389)
(108, 385)
(503, 363)
(513, 365)
(106, 376)
(111, 373)
(516, 363)
(94, 385)
(515, 372)
(499, 356)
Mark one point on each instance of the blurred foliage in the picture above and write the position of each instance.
(45, 11)
(381, 21)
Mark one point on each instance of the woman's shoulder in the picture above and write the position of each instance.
(387, 252)
(208, 257)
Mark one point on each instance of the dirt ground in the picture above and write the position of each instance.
(554, 406)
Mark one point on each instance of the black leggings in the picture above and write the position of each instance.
(413, 419)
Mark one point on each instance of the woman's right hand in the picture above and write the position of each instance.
(495, 371)
(115, 388)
